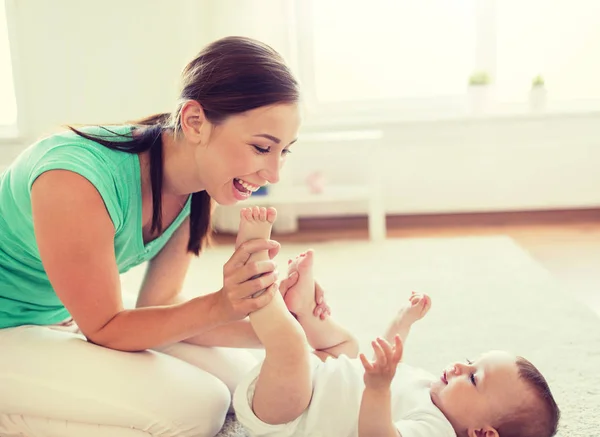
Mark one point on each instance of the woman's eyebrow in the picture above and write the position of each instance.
(274, 139)
(269, 137)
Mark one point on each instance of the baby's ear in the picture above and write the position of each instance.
(488, 431)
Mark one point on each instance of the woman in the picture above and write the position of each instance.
(80, 207)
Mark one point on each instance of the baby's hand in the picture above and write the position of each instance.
(379, 374)
(419, 306)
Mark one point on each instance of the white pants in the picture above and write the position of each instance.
(53, 383)
(334, 406)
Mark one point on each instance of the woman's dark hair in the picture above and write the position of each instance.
(230, 76)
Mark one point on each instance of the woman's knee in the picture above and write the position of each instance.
(227, 364)
(150, 392)
(200, 406)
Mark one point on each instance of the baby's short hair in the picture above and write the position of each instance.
(533, 419)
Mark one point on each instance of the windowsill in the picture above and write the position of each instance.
(9, 134)
(500, 112)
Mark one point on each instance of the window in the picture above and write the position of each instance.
(410, 55)
(8, 105)
(390, 49)
(559, 40)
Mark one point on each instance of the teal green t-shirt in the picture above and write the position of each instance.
(26, 295)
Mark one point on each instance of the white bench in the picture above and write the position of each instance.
(285, 197)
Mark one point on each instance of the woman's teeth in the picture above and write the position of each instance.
(247, 186)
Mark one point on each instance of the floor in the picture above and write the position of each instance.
(567, 243)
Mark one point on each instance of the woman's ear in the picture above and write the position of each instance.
(194, 124)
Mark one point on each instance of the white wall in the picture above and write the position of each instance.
(110, 61)
(466, 165)
(100, 62)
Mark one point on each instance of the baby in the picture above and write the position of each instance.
(334, 391)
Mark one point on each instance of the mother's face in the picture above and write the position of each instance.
(247, 151)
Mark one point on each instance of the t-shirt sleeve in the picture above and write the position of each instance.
(426, 426)
(90, 165)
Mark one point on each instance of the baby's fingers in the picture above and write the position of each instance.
(387, 349)
(381, 360)
(427, 303)
(366, 364)
(398, 349)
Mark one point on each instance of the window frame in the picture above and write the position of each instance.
(401, 108)
(416, 109)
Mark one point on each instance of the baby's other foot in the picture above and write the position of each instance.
(300, 298)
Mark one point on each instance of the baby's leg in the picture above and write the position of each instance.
(284, 385)
(327, 337)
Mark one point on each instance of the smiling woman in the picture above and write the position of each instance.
(82, 206)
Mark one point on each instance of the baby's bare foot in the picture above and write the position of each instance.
(300, 299)
(256, 222)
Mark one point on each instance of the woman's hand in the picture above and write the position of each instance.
(321, 310)
(234, 299)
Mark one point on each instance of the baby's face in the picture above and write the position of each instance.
(474, 394)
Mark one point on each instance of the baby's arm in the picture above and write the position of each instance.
(375, 416)
(418, 305)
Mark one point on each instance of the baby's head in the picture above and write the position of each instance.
(499, 394)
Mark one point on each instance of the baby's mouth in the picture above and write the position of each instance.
(444, 378)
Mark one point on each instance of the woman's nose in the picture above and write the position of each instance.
(271, 172)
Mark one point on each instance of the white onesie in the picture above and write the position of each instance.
(337, 391)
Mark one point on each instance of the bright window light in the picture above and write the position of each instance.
(8, 105)
(559, 40)
(381, 50)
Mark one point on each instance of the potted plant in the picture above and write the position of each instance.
(479, 91)
(538, 94)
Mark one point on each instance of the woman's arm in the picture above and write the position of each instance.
(163, 283)
(164, 280)
(240, 332)
(75, 238)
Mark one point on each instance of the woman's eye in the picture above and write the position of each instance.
(473, 379)
(469, 362)
(286, 152)
(261, 149)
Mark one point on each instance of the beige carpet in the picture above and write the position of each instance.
(487, 294)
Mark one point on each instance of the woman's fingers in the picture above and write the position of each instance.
(322, 310)
(252, 286)
(243, 252)
(288, 283)
(252, 270)
(319, 294)
(274, 251)
(258, 302)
